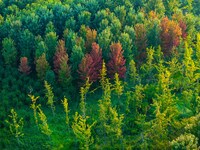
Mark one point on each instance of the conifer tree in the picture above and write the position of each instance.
(116, 63)
(165, 111)
(9, 51)
(43, 125)
(170, 35)
(140, 42)
(132, 74)
(50, 96)
(42, 66)
(51, 43)
(64, 75)
(24, 67)
(15, 125)
(80, 127)
(90, 38)
(91, 64)
(82, 130)
(66, 109)
(34, 106)
(76, 57)
(60, 56)
(110, 121)
(118, 86)
(188, 62)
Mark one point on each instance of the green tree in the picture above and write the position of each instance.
(9, 51)
(42, 66)
(51, 43)
(104, 39)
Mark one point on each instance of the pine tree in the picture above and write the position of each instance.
(24, 67)
(64, 75)
(82, 130)
(140, 42)
(15, 125)
(51, 43)
(9, 51)
(110, 121)
(60, 56)
(43, 125)
(42, 66)
(34, 106)
(50, 96)
(91, 64)
(117, 61)
(66, 109)
(132, 74)
(170, 35)
(118, 86)
(90, 38)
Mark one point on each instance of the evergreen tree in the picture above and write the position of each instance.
(9, 51)
(42, 66)
(116, 63)
(24, 67)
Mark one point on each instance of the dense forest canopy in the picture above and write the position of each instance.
(100, 74)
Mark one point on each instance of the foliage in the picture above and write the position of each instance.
(185, 141)
(170, 35)
(43, 125)
(42, 66)
(117, 61)
(82, 131)
(15, 124)
(24, 67)
(91, 64)
(9, 51)
(66, 108)
(50, 96)
(144, 53)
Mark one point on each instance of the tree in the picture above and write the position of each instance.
(84, 18)
(42, 66)
(91, 64)
(140, 42)
(110, 122)
(60, 56)
(157, 6)
(90, 38)
(127, 46)
(26, 44)
(116, 63)
(132, 74)
(64, 75)
(40, 49)
(24, 67)
(104, 40)
(170, 35)
(76, 57)
(9, 51)
(51, 43)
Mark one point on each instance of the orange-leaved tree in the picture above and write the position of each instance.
(170, 35)
(117, 62)
(24, 67)
(60, 56)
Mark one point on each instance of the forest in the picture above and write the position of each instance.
(99, 74)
